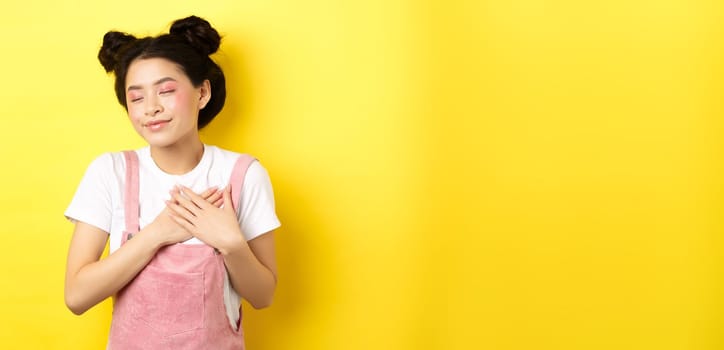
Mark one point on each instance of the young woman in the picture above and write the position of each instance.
(190, 225)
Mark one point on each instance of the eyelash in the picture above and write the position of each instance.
(160, 93)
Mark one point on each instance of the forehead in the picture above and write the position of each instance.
(146, 71)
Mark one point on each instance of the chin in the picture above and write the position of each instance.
(159, 141)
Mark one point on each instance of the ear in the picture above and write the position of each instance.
(204, 94)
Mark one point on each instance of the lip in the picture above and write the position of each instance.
(156, 125)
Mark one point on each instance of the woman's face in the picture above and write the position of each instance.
(163, 104)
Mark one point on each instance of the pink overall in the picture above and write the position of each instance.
(176, 301)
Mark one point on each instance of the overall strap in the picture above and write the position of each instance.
(237, 178)
(131, 195)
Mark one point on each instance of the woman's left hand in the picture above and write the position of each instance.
(217, 227)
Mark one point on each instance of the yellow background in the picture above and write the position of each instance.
(502, 174)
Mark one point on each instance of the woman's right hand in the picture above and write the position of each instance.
(168, 231)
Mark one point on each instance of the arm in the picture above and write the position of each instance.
(252, 269)
(251, 265)
(89, 280)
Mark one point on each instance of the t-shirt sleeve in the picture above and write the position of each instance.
(91, 203)
(258, 214)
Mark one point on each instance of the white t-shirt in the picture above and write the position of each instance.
(98, 199)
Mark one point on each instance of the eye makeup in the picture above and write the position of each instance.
(134, 96)
(167, 87)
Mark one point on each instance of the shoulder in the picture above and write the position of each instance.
(102, 161)
(110, 165)
(225, 155)
(230, 158)
(106, 163)
(255, 175)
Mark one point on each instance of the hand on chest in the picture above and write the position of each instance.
(154, 190)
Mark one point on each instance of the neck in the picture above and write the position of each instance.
(179, 158)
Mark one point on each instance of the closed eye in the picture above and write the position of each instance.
(167, 91)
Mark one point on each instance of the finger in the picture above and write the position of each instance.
(227, 199)
(210, 195)
(182, 200)
(181, 211)
(183, 223)
(209, 192)
(194, 198)
(219, 202)
(215, 197)
(174, 192)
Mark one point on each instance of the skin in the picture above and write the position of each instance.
(163, 107)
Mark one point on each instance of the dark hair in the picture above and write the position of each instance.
(189, 43)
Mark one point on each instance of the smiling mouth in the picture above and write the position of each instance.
(156, 124)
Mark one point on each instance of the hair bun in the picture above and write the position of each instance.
(198, 33)
(112, 43)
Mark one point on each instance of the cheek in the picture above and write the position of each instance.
(135, 114)
(181, 98)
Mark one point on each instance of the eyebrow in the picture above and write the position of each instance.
(157, 82)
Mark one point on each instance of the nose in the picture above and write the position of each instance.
(153, 107)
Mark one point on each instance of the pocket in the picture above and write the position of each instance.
(169, 302)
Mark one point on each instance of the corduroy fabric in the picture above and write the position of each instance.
(176, 301)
